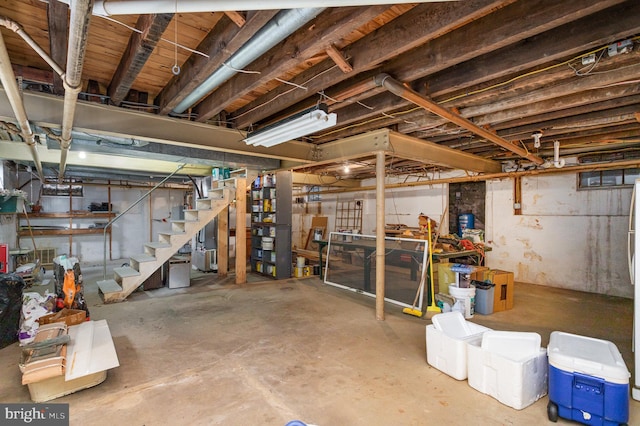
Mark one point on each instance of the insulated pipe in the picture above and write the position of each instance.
(17, 28)
(397, 88)
(78, 33)
(8, 79)
(276, 30)
(141, 7)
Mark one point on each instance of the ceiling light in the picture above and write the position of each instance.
(82, 155)
(298, 125)
(346, 168)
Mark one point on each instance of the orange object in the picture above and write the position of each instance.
(69, 288)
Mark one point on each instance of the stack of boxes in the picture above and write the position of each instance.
(501, 286)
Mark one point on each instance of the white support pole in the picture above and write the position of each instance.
(380, 234)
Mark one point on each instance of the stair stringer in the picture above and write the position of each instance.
(127, 279)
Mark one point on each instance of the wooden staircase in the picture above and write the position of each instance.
(127, 279)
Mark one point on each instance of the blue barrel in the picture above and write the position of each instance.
(466, 221)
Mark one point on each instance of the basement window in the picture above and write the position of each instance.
(608, 178)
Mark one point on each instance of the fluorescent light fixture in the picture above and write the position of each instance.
(298, 125)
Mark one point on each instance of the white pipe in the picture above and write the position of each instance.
(141, 7)
(78, 33)
(8, 79)
(557, 161)
(17, 28)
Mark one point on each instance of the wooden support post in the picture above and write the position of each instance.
(241, 230)
(380, 235)
(223, 242)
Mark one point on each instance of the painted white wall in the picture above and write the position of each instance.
(564, 238)
(140, 225)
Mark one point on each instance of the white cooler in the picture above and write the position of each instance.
(447, 341)
(509, 366)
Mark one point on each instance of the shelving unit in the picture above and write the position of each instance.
(63, 224)
(271, 225)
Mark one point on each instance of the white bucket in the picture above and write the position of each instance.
(267, 243)
(466, 296)
(300, 261)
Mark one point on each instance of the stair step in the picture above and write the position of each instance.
(157, 245)
(143, 257)
(109, 286)
(126, 271)
(184, 221)
(170, 233)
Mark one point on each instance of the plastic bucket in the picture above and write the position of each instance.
(300, 261)
(267, 243)
(466, 297)
(466, 221)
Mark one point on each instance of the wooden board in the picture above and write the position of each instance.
(317, 222)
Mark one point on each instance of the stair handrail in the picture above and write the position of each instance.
(104, 232)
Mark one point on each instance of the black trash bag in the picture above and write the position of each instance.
(11, 286)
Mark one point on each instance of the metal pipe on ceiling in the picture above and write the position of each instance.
(137, 7)
(397, 88)
(78, 34)
(8, 79)
(276, 30)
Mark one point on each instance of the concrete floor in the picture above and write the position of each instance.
(266, 353)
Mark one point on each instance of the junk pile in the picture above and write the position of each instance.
(11, 287)
(68, 284)
(586, 378)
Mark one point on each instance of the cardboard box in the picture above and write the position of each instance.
(57, 387)
(503, 292)
(68, 316)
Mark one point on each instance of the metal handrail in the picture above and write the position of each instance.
(104, 233)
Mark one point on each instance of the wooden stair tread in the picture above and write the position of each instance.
(109, 286)
(157, 245)
(143, 257)
(126, 271)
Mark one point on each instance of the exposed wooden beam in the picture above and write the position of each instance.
(237, 17)
(411, 95)
(141, 45)
(319, 180)
(219, 45)
(57, 16)
(339, 59)
(330, 26)
(427, 22)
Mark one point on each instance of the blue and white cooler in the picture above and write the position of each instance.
(588, 380)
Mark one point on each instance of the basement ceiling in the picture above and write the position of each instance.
(186, 87)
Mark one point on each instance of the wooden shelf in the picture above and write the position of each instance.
(50, 232)
(76, 215)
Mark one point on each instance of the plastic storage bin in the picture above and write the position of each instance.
(509, 366)
(588, 380)
(447, 341)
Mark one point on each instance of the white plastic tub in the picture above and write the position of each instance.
(447, 341)
(509, 366)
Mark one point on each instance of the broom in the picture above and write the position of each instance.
(432, 309)
(412, 310)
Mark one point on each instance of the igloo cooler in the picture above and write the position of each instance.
(588, 380)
